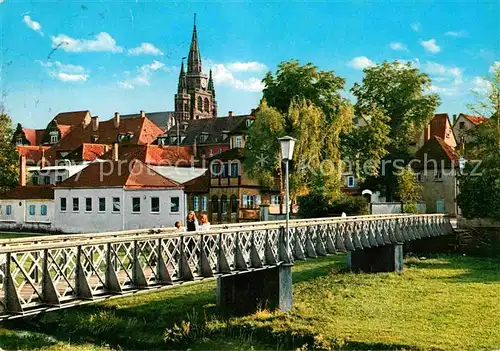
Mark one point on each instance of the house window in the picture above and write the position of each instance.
(235, 170)
(155, 205)
(63, 204)
(76, 204)
(59, 179)
(249, 201)
(275, 199)
(161, 141)
(220, 151)
(461, 125)
(438, 175)
(350, 181)
(211, 153)
(215, 204)
(19, 141)
(53, 139)
(43, 210)
(225, 167)
(120, 137)
(116, 204)
(200, 103)
(203, 137)
(233, 203)
(173, 140)
(32, 210)
(216, 169)
(238, 141)
(46, 180)
(88, 204)
(195, 203)
(102, 204)
(223, 201)
(34, 179)
(203, 203)
(94, 139)
(419, 177)
(8, 210)
(174, 204)
(136, 204)
(249, 122)
(183, 138)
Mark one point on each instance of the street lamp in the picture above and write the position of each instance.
(287, 145)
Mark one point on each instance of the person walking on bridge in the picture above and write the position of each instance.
(192, 222)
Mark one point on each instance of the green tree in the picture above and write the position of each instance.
(400, 92)
(8, 155)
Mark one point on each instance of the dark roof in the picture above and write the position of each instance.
(118, 174)
(71, 118)
(436, 149)
(198, 185)
(161, 119)
(38, 192)
(213, 127)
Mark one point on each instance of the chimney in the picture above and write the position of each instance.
(230, 113)
(454, 119)
(95, 123)
(115, 152)
(143, 114)
(22, 170)
(116, 120)
(42, 161)
(427, 132)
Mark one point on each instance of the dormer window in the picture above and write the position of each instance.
(183, 138)
(238, 141)
(130, 136)
(120, 137)
(95, 138)
(225, 134)
(19, 141)
(249, 122)
(173, 140)
(185, 126)
(203, 137)
(162, 141)
(54, 137)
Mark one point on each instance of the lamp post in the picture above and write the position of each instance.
(287, 145)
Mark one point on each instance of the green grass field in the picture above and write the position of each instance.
(442, 303)
(14, 235)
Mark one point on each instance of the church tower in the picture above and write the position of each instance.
(195, 98)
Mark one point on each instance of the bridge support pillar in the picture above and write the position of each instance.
(247, 292)
(387, 258)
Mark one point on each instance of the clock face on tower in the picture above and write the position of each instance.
(203, 84)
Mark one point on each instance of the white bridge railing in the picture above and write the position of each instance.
(52, 272)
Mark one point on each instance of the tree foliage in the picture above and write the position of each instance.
(8, 155)
(400, 93)
(408, 188)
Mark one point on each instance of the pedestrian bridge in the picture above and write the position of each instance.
(251, 261)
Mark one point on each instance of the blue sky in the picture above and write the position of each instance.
(124, 56)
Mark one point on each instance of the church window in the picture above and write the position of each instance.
(207, 105)
(200, 103)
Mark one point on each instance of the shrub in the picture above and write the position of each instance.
(316, 205)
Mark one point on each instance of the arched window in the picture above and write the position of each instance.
(200, 103)
(233, 203)
(223, 201)
(215, 204)
(207, 105)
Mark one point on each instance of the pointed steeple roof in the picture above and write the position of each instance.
(211, 86)
(182, 86)
(194, 59)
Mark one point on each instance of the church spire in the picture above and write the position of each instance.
(182, 86)
(194, 60)
(211, 86)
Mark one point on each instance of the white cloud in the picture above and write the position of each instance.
(143, 75)
(36, 26)
(434, 68)
(222, 75)
(459, 34)
(398, 46)
(415, 26)
(430, 45)
(494, 66)
(481, 85)
(65, 77)
(252, 66)
(450, 79)
(102, 42)
(360, 62)
(145, 49)
(65, 72)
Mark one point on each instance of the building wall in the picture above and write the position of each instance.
(21, 219)
(462, 133)
(439, 190)
(109, 221)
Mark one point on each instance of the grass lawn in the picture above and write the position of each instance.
(441, 303)
(15, 235)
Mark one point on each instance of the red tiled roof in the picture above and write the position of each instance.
(449, 151)
(38, 192)
(34, 136)
(71, 118)
(118, 174)
(154, 154)
(33, 154)
(476, 120)
(436, 149)
(64, 129)
(88, 152)
(144, 132)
